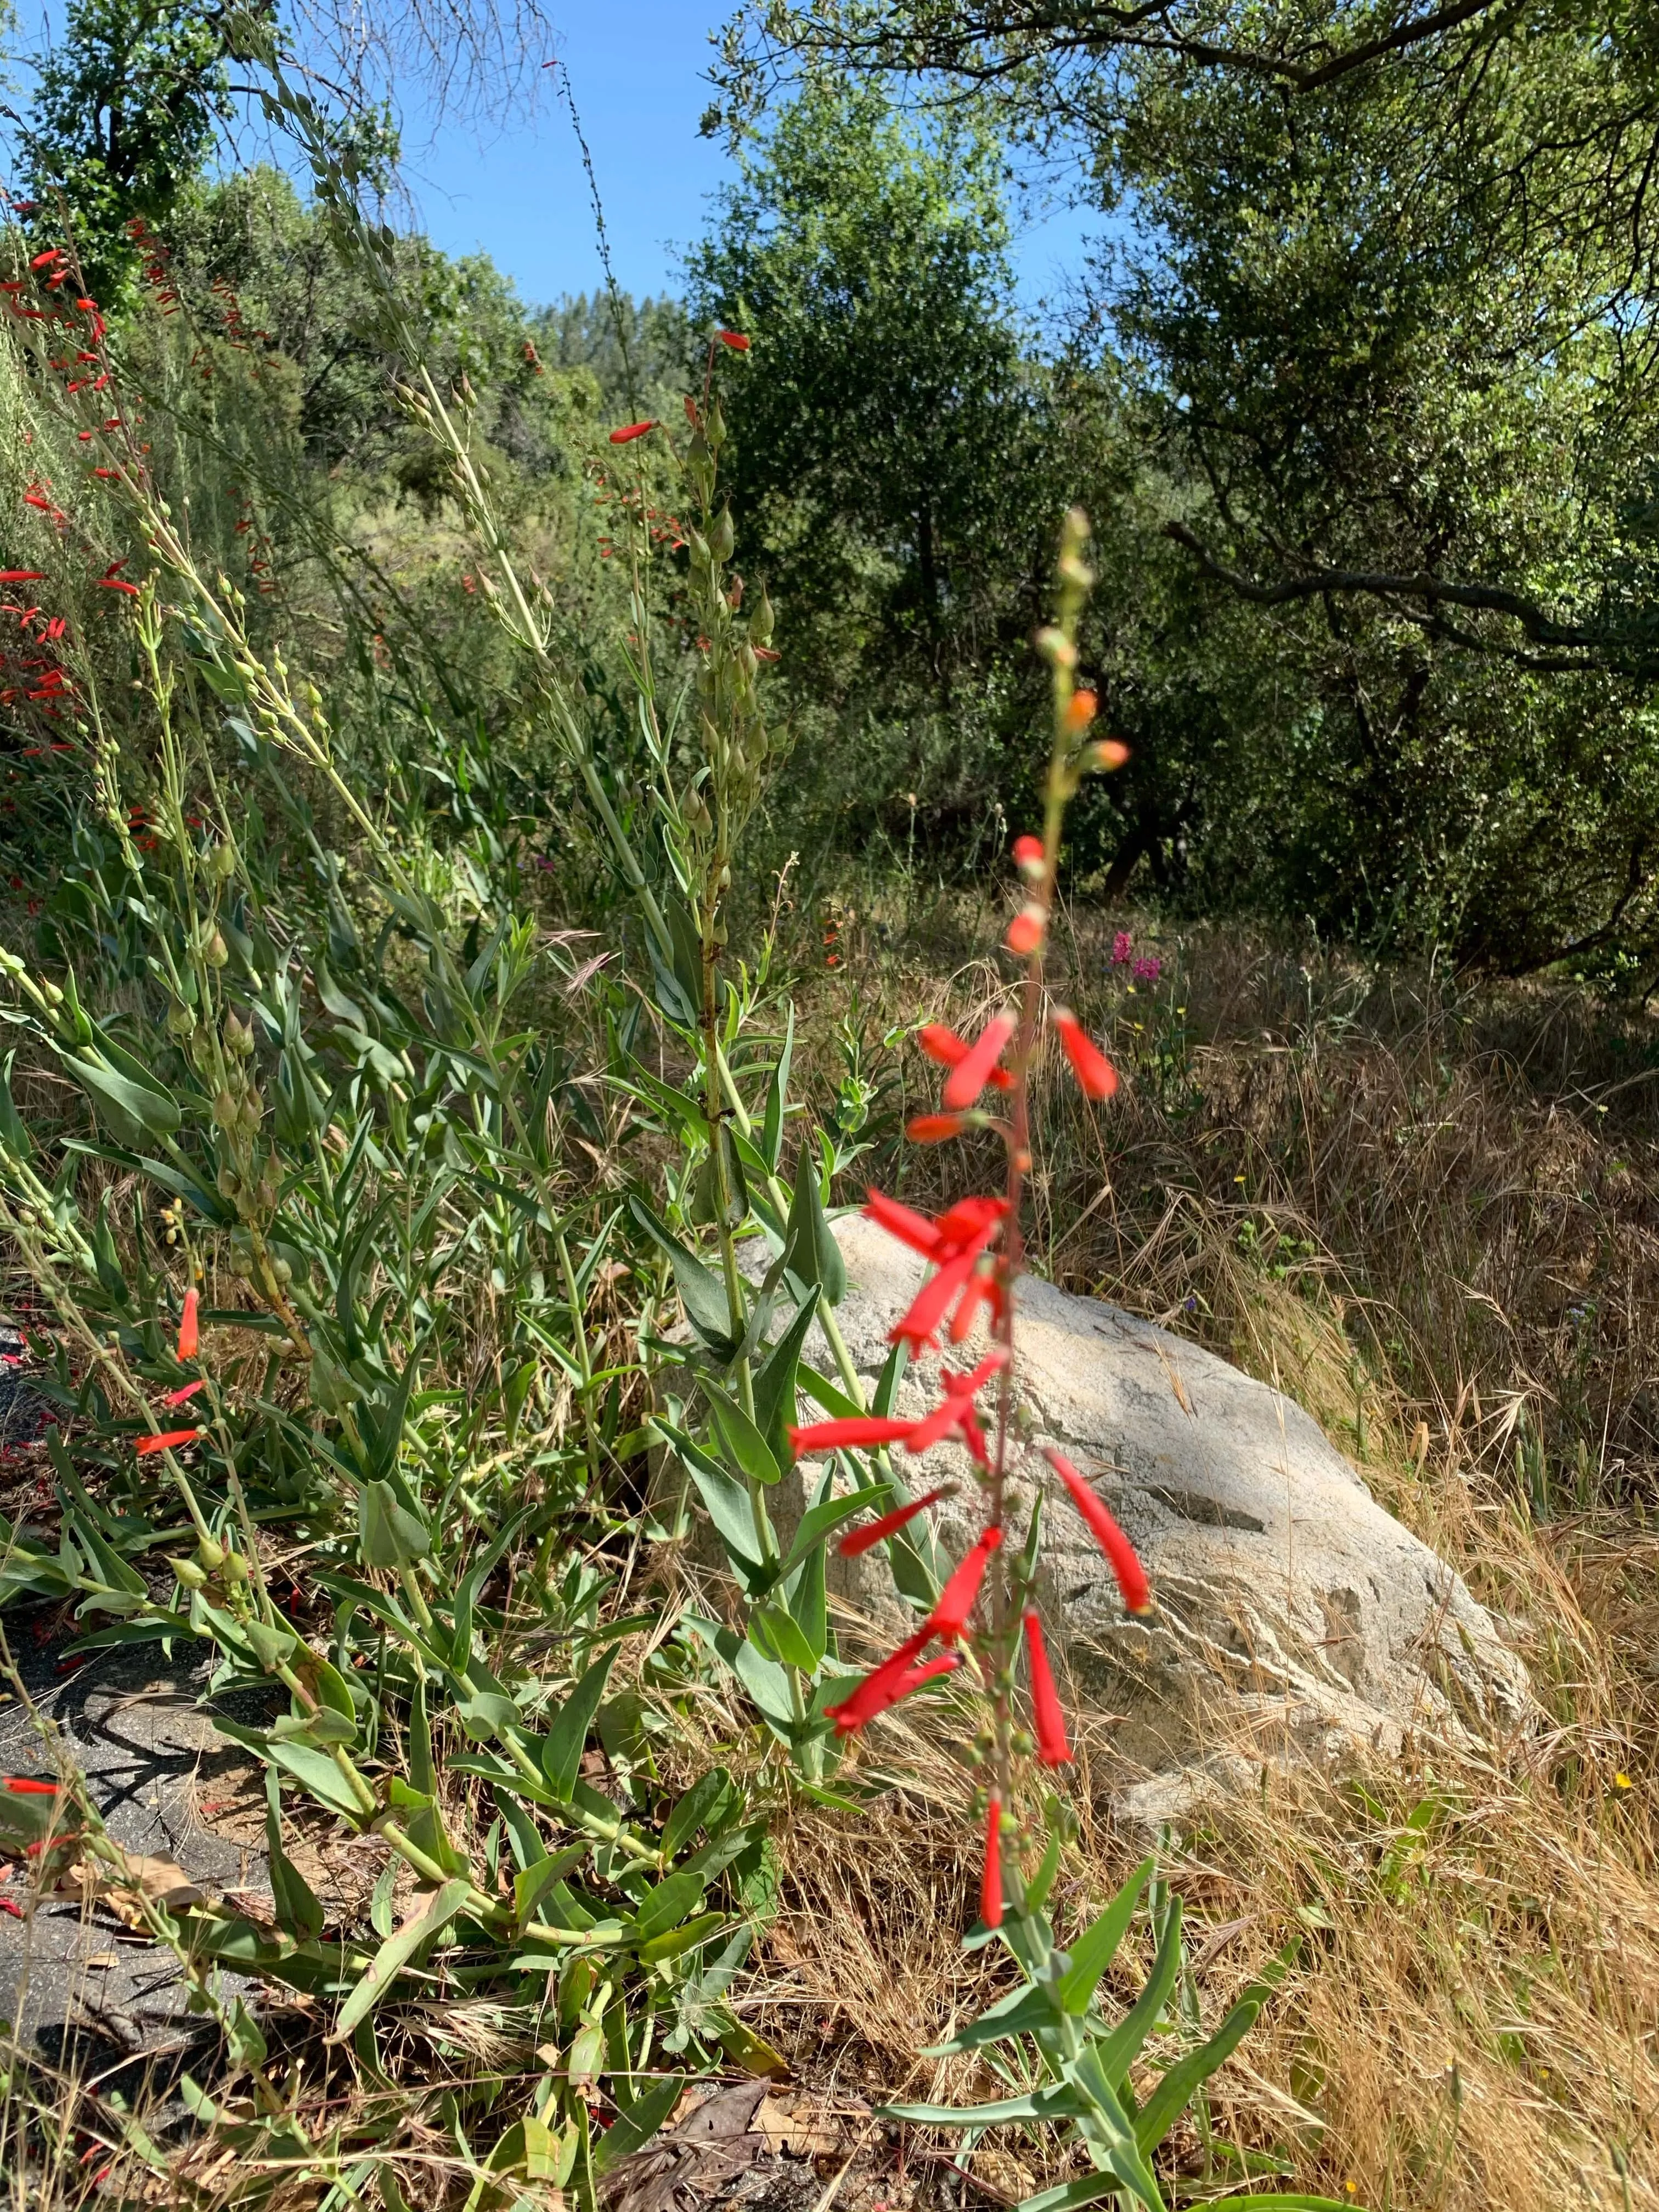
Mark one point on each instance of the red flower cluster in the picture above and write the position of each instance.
(954, 1241)
(973, 1066)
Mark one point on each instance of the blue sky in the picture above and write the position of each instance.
(636, 68)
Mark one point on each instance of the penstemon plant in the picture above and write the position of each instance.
(986, 1615)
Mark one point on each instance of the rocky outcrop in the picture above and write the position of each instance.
(1280, 1579)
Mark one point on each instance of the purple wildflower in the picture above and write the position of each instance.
(1148, 968)
(1122, 945)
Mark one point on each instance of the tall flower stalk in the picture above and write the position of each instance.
(986, 1613)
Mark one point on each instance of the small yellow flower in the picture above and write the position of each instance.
(1238, 1178)
(1621, 1782)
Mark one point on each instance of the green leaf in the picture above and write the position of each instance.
(299, 1910)
(1118, 2050)
(711, 1802)
(776, 1385)
(666, 1906)
(822, 1520)
(131, 1105)
(563, 1746)
(532, 1883)
(778, 1637)
(388, 1535)
(1036, 1890)
(1095, 1949)
(810, 1254)
(270, 1646)
(1061, 2100)
(1178, 2083)
(1088, 2190)
(702, 1292)
(395, 1953)
(637, 2122)
(746, 1450)
(1023, 2012)
(685, 1938)
(314, 1771)
(729, 1506)
(777, 1098)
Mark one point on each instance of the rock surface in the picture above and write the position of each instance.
(71, 1976)
(1278, 1576)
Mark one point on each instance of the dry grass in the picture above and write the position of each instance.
(1406, 1204)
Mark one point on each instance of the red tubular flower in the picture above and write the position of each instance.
(45, 260)
(1119, 1551)
(629, 431)
(1053, 1750)
(919, 1326)
(188, 1331)
(911, 1228)
(990, 1887)
(1097, 1077)
(929, 1671)
(1025, 932)
(22, 575)
(933, 1128)
(982, 1290)
(25, 1785)
(166, 1442)
(950, 1050)
(962, 1223)
(949, 1617)
(179, 1397)
(735, 339)
(861, 1429)
(880, 1687)
(971, 1073)
(857, 1541)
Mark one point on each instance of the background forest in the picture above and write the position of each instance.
(500, 803)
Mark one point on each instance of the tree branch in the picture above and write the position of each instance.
(1605, 648)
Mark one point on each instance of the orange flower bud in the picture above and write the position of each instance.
(1080, 710)
(1025, 932)
(1109, 753)
(1029, 855)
